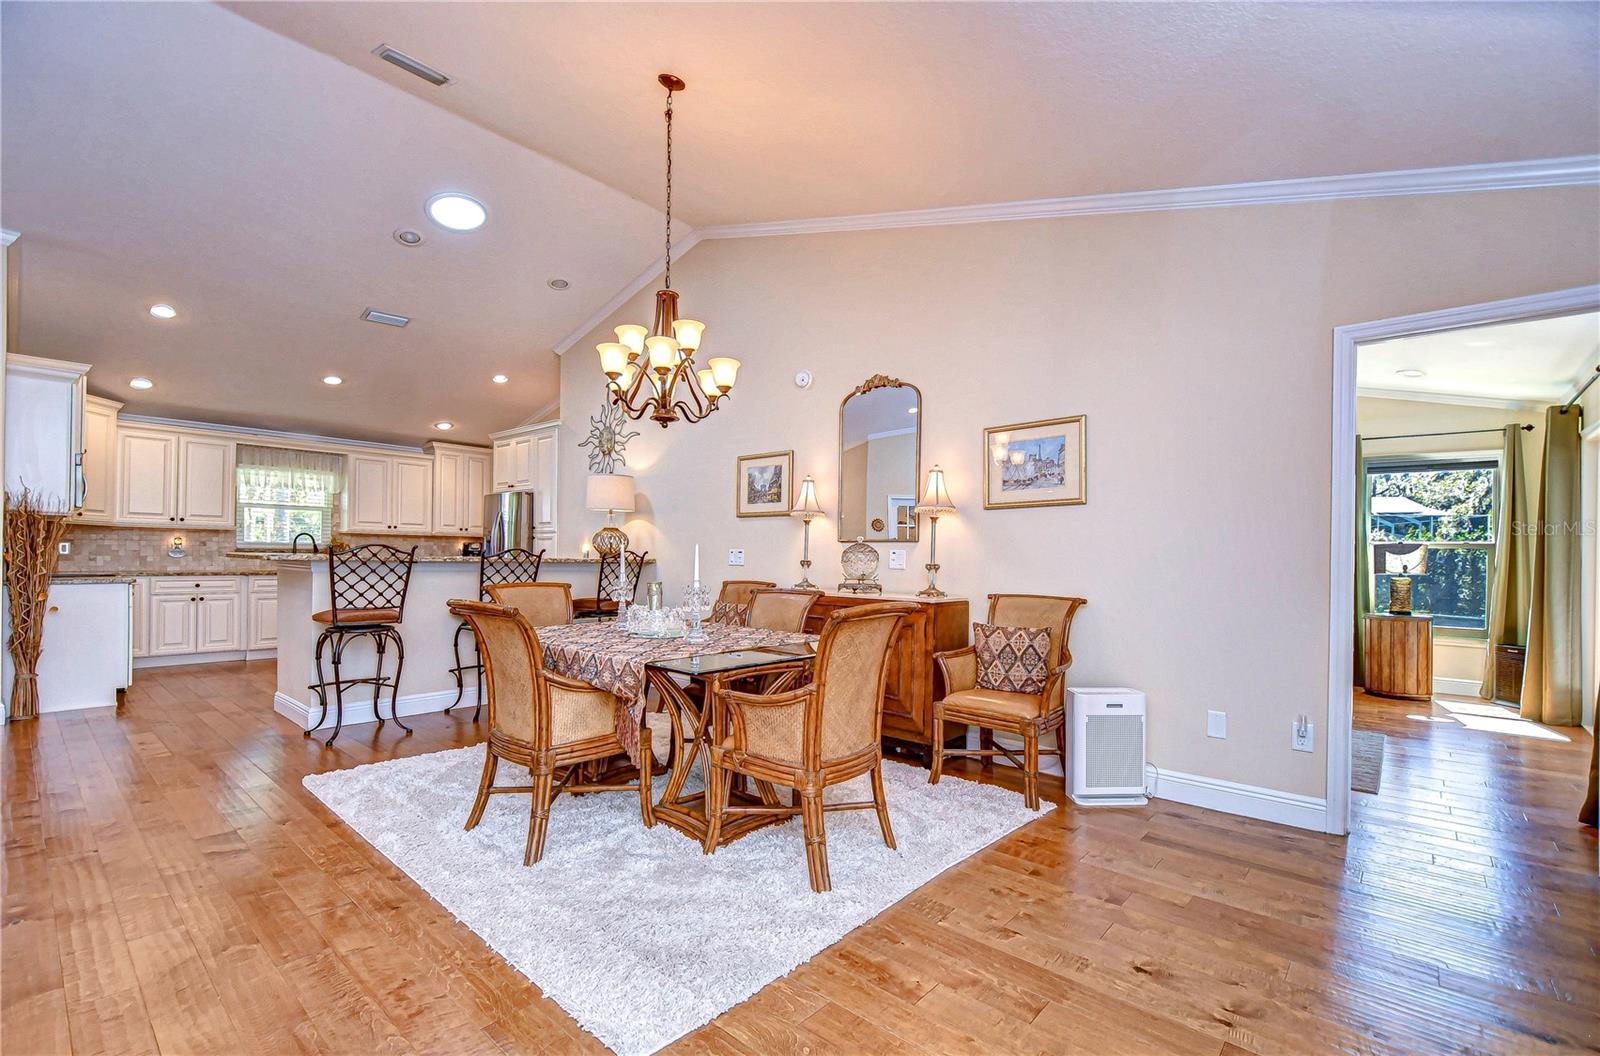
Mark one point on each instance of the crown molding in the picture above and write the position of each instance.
(1577, 170)
(7, 236)
(1454, 398)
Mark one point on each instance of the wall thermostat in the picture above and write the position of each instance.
(802, 379)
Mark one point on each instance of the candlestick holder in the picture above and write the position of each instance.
(696, 603)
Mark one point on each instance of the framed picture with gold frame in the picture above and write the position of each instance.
(1041, 463)
(763, 484)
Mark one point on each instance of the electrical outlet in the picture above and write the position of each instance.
(735, 557)
(897, 560)
(1216, 724)
(64, 547)
(1302, 735)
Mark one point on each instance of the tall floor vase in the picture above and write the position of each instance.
(32, 532)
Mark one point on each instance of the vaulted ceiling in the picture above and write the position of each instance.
(249, 164)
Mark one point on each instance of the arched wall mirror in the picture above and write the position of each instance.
(880, 461)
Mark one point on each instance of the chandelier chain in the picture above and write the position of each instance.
(669, 189)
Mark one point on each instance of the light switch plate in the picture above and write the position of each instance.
(1216, 724)
(897, 560)
(64, 547)
(735, 557)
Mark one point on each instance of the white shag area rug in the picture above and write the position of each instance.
(639, 936)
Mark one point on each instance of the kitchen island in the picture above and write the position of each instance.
(427, 629)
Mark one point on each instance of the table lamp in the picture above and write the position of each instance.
(807, 509)
(1400, 567)
(935, 502)
(610, 493)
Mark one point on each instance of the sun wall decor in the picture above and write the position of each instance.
(607, 438)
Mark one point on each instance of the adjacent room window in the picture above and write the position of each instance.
(1450, 506)
(282, 492)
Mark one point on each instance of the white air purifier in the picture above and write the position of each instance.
(1107, 746)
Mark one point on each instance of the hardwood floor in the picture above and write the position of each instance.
(170, 887)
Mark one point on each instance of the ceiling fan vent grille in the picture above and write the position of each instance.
(372, 315)
(410, 65)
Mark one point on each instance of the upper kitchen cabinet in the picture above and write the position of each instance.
(170, 477)
(389, 493)
(44, 429)
(460, 481)
(99, 460)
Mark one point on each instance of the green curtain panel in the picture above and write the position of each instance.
(1552, 677)
(1513, 559)
(1591, 799)
(1363, 564)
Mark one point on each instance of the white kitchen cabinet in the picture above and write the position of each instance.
(460, 481)
(261, 616)
(99, 460)
(523, 467)
(206, 481)
(389, 493)
(85, 657)
(544, 460)
(219, 624)
(203, 614)
(172, 624)
(171, 478)
(502, 465)
(141, 616)
(44, 428)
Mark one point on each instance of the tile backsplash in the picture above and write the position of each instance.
(102, 548)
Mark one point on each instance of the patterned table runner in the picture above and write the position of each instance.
(602, 655)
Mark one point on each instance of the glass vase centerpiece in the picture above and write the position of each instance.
(644, 622)
(697, 599)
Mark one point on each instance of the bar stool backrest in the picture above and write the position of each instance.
(374, 576)
(611, 576)
(514, 565)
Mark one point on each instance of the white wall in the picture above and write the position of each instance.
(1198, 343)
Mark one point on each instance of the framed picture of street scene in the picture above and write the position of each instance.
(1035, 464)
(764, 483)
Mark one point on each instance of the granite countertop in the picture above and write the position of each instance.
(180, 573)
(447, 559)
(91, 577)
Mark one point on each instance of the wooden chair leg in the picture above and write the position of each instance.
(1061, 751)
(986, 742)
(718, 785)
(647, 768)
(811, 815)
(1030, 769)
(539, 819)
(491, 763)
(937, 750)
(883, 804)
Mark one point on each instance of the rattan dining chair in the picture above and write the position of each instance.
(1027, 715)
(542, 721)
(781, 610)
(733, 600)
(818, 735)
(511, 565)
(544, 604)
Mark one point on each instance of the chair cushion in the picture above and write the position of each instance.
(358, 616)
(1012, 659)
(995, 702)
(731, 613)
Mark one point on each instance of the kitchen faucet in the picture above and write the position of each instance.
(294, 547)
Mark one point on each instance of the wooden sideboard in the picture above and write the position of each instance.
(1400, 656)
(909, 690)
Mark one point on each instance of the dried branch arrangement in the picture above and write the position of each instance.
(32, 532)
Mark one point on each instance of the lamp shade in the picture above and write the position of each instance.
(805, 503)
(1405, 562)
(935, 499)
(609, 491)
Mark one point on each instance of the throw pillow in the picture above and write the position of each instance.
(1012, 659)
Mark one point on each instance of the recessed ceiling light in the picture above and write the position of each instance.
(457, 211)
(372, 315)
(444, 427)
(1412, 372)
(499, 379)
(911, 410)
(141, 383)
(163, 311)
(407, 237)
(333, 379)
(558, 284)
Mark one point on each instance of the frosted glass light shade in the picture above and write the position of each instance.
(629, 372)
(632, 337)
(609, 492)
(724, 370)
(805, 501)
(935, 499)
(708, 383)
(663, 352)
(613, 357)
(689, 333)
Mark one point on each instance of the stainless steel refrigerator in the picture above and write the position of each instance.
(508, 521)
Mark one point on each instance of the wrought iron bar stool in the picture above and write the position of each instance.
(367, 597)
(619, 573)
(513, 565)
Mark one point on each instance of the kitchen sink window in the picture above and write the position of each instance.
(282, 492)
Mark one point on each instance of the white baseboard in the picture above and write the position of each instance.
(358, 706)
(185, 659)
(1049, 761)
(1230, 797)
(1457, 687)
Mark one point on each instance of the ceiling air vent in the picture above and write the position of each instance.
(410, 65)
(372, 315)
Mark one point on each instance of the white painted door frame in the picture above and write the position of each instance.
(1342, 540)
